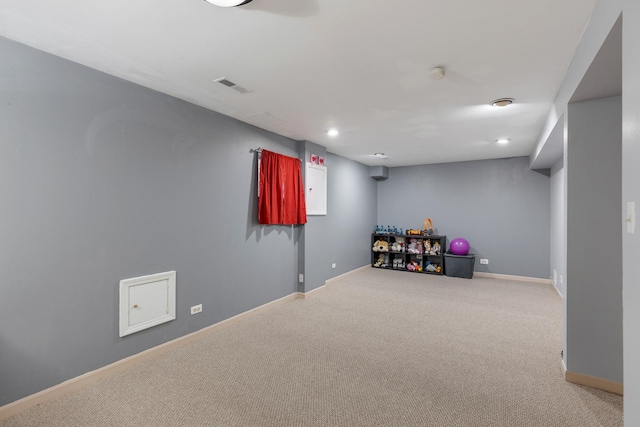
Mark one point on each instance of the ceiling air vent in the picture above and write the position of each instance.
(228, 83)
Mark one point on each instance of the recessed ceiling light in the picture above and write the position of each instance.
(381, 155)
(228, 3)
(503, 140)
(333, 132)
(502, 102)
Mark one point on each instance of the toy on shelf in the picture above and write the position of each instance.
(379, 261)
(398, 245)
(398, 264)
(427, 231)
(381, 246)
(414, 247)
(414, 266)
(435, 250)
(427, 246)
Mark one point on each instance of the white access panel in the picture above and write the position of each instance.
(147, 301)
(316, 189)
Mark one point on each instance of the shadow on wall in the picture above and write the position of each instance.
(285, 7)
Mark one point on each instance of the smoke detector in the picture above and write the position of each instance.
(228, 3)
(437, 73)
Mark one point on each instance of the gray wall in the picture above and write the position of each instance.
(558, 230)
(631, 192)
(594, 238)
(602, 21)
(500, 206)
(351, 213)
(102, 180)
(343, 235)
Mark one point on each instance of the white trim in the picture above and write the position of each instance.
(91, 377)
(510, 277)
(303, 295)
(555, 288)
(342, 276)
(589, 381)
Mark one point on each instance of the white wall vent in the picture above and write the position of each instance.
(147, 301)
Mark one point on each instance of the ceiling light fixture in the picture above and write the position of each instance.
(502, 102)
(333, 132)
(228, 3)
(381, 155)
(437, 73)
(503, 140)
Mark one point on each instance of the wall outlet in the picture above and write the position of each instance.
(561, 279)
(484, 261)
(196, 309)
(301, 278)
(333, 265)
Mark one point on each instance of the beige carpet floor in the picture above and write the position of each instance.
(377, 348)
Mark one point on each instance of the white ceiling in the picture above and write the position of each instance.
(359, 65)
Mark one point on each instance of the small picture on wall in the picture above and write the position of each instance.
(321, 160)
(313, 159)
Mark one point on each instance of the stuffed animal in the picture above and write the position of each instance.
(380, 261)
(427, 246)
(414, 247)
(414, 266)
(436, 249)
(381, 246)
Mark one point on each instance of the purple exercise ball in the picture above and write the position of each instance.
(459, 246)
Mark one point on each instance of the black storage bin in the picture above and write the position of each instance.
(459, 265)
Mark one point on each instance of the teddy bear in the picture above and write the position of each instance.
(414, 247)
(381, 246)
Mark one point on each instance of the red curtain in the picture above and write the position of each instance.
(281, 193)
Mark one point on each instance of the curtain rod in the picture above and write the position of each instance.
(259, 151)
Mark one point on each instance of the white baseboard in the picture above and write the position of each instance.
(331, 281)
(83, 380)
(555, 288)
(589, 381)
(511, 277)
(342, 276)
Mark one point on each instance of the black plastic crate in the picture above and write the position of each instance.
(459, 265)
